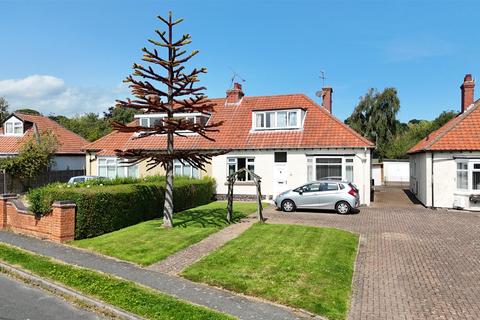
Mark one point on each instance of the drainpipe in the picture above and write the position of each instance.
(433, 185)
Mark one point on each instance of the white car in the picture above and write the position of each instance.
(80, 179)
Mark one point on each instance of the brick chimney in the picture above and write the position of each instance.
(327, 98)
(234, 95)
(467, 87)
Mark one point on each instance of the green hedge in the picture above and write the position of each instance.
(102, 209)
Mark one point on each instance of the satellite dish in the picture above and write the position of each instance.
(319, 93)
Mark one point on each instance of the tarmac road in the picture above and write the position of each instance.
(18, 301)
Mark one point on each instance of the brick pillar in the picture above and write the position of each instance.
(63, 221)
(3, 208)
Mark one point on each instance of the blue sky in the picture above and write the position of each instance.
(67, 57)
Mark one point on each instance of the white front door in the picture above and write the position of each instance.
(279, 178)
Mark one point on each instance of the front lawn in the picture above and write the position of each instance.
(147, 303)
(148, 242)
(300, 266)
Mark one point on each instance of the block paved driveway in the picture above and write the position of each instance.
(413, 262)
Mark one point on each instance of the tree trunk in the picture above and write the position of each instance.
(168, 204)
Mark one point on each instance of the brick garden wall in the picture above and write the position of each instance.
(58, 225)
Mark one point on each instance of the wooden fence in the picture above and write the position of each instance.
(11, 184)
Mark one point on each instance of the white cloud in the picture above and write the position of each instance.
(51, 95)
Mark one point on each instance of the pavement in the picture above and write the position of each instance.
(213, 298)
(413, 262)
(20, 301)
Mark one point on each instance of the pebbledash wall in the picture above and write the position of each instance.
(58, 225)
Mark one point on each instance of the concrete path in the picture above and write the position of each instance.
(413, 262)
(177, 262)
(20, 301)
(223, 301)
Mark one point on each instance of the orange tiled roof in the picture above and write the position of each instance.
(462, 133)
(70, 143)
(321, 130)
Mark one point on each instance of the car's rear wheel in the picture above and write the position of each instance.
(343, 207)
(288, 205)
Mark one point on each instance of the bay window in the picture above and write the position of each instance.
(476, 176)
(113, 168)
(185, 170)
(331, 168)
(237, 163)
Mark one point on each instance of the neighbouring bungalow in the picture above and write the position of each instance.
(287, 140)
(445, 166)
(20, 127)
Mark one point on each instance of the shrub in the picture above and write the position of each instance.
(106, 208)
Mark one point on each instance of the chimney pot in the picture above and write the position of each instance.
(467, 87)
(235, 95)
(327, 98)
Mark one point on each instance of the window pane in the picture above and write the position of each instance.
(187, 170)
(462, 179)
(280, 156)
(329, 171)
(241, 164)
(177, 170)
(102, 162)
(476, 180)
(313, 187)
(9, 127)
(329, 160)
(476, 166)
(102, 171)
(144, 122)
(332, 186)
(18, 128)
(195, 173)
(231, 169)
(120, 172)
(309, 173)
(292, 119)
(462, 166)
(281, 119)
(259, 120)
(349, 173)
(111, 172)
(133, 171)
(270, 120)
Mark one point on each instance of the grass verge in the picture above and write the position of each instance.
(123, 294)
(300, 266)
(148, 242)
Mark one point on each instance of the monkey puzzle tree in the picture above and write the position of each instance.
(178, 92)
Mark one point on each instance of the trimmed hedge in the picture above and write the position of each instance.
(102, 209)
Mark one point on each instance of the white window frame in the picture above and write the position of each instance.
(194, 173)
(470, 171)
(117, 164)
(346, 161)
(249, 162)
(462, 170)
(150, 118)
(13, 127)
(274, 125)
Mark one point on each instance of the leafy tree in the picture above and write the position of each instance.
(375, 117)
(121, 115)
(29, 111)
(34, 157)
(398, 147)
(90, 125)
(3, 109)
(179, 93)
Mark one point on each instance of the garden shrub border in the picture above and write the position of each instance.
(106, 208)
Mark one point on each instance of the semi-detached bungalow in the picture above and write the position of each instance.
(288, 140)
(445, 166)
(20, 127)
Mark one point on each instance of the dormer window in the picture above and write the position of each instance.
(150, 120)
(278, 119)
(13, 127)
